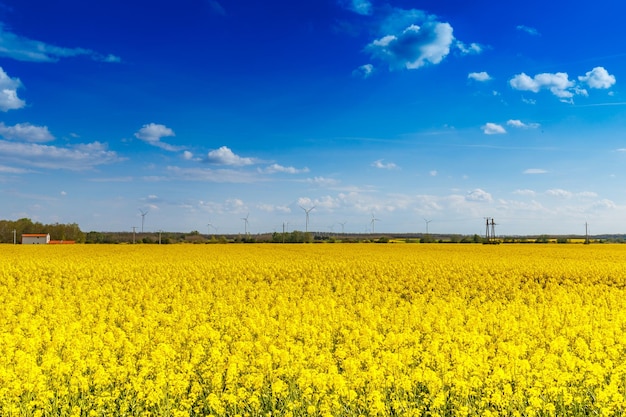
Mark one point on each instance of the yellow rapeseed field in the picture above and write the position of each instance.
(313, 330)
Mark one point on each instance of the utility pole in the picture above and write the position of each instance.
(14, 236)
(490, 230)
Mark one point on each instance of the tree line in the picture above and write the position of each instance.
(10, 229)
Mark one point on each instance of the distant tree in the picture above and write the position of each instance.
(57, 231)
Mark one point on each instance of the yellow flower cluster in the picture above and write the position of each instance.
(313, 330)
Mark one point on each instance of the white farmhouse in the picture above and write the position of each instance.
(35, 238)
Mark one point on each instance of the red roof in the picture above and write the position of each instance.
(35, 234)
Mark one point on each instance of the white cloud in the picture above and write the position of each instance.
(24, 49)
(532, 171)
(8, 91)
(188, 155)
(558, 83)
(76, 157)
(379, 164)
(364, 71)
(528, 29)
(557, 192)
(322, 181)
(472, 48)
(26, 132)
(604, 204)
(362, 7)
(275, 168)
(598, 78)
(224, 156)
(152, 134)
(493, 129)
(211, 175)
(560, 193)
(525, 192)
(478, 195)
(271, 208)
(411, 39)
(479, 76)
(433, 173)
(519, 124)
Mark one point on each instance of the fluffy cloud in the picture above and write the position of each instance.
(493, 129)
(224, 156)
(415, 46)
(472, 48)
(24, 49)
(364, 71)
(26, 132)
(411, 39)
(479, 76)
(598, 78)
(478, 195)
(557, 192)
(525, 192)
(8, 91)
(379, 164)
(560, 85)
(560, 193)
(522, 125)
(322, 181)
(275, 168)
(152, 134)
(362, 7)
(78, 157)
(272, 208)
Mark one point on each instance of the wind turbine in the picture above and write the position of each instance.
(427, 222)
(306, 228)
(143, 217)
(245, 223)
(374, 220)
(210, 225)
(342, 225)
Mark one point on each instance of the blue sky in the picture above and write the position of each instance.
(205, 112)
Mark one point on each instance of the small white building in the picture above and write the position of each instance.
(35, 238)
